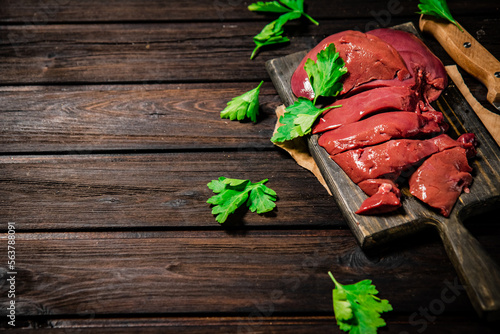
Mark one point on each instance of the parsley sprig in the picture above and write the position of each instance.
(356, 307)
(273, 32)
(324, 75)
(243, 106)
(282, 6)
(233, 193)
(437, 8)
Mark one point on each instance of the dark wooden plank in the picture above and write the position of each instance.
(160, 190)
(258, 323)
(130, 117)
(183, 272)
(36, 12)
(176, 52)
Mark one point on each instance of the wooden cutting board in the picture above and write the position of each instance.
(478, 272)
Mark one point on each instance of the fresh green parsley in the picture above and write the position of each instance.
(282, 6)
(297, 120)
(325, 75)
(273, 32)
(233, 193)
(243, 106)
(356, 307)
(437, 8)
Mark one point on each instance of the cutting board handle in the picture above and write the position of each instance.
(476, 269)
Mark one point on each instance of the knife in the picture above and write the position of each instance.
(470, 55)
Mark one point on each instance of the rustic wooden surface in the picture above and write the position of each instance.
(109, 132)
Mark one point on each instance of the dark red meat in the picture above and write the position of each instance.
(380, 128)
(367, 58)
(382, 201)
(384, 196)
(419, 60)
(439, 181)
(392, 79)
(391, 158)
(365, 104)
(371, 186)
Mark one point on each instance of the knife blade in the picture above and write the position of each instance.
(468, 53)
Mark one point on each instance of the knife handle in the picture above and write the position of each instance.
(467, 52)
(478, 272)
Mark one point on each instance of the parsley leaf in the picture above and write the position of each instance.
(325, 75)
(298, 5)
(297, 120)
(273, 32)
(269, 6)
(437, 8)
(243, 106)
(233, 193)
(282, 6)
(356, 307)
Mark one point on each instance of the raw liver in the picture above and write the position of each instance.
(439, 181)
(367, 58)
(391, 158)
(380, 128)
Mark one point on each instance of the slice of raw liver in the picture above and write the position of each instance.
(390, 159)
(371, 186)
(440, 180)
(418, 59)
(367, 103)
(380, 128)
(384, 197)
(367, 58)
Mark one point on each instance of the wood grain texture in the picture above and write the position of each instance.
(256, 323)
(130, 117)
(109, 132)
(36, 12)
(153, 190)
(159, 52)
(183, 272)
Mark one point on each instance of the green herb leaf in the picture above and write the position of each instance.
(261, 198)
(269, 6)
(273, 32)
(233, 193)
(325, 73)
(243, 106)
(437, 8)
(297, 120)
(356, 307)
(298, 5)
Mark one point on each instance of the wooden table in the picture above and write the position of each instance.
(109, 133)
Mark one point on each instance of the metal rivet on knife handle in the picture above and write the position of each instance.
(467, 45)
(497, 74)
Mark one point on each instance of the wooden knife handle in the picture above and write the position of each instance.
(467, 52)
(477, 271)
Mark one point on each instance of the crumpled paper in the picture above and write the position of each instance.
(298, 150)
